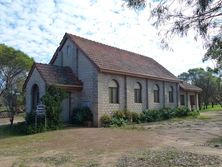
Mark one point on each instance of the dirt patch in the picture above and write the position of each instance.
(104, 146)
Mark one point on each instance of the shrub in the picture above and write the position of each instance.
(167, 113)
(152, 115)
(194, 114)
(135, 117)
(120, 118)
(117, 122)
(106, 120)
(31, 127)
(53, 100)
(181, 112)
(81, 114)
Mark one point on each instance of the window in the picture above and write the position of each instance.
(138, 93)
(156, 92)
(171, 94)
(35, 96)
(113, 92)
(182, 100)
(68, 50)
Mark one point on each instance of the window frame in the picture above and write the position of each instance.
(68, 50)
(138, 93)
(170, 94)
(113, 92)
(156, 93)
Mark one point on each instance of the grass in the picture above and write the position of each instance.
(210, 108)
(93, 147)
(216, 140)
(167, 158)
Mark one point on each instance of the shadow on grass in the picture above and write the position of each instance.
(7, 131)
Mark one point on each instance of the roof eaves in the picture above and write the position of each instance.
(139, 75)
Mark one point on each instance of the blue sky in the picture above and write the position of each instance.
(37, 26)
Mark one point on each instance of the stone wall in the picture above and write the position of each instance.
(126, 94)
(34, 79)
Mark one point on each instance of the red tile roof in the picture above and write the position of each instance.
(188, 87)
(55, 75)
(115, 60)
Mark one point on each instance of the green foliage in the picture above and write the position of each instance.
(121, 118)
(31, 127)
(106, 120)
(135, 117)
(194, 114)
(181, 112)
(118, 122)
(208, 82)
(81, 114)
(14, 65)
(214, 52)
(52, 100)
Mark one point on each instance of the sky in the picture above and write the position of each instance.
(36, 27)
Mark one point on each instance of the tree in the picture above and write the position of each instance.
(210, 84)
(204, 17)
(183, 15)
(214, 52)
(14, 65)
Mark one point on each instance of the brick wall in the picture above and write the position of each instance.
(34, 79)
(126, 99)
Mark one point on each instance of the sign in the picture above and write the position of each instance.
(40, 110)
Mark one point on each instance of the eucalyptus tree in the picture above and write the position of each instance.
(14, 65)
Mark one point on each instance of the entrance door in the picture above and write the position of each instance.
(66, 109)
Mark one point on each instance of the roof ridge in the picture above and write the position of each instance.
(114, 47)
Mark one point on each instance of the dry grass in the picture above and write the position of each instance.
(104, 146)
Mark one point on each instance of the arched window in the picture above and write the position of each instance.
(113, 92)
(156, 92)
(138, 93)
(68, 50)
(171, 94)
(35, 96)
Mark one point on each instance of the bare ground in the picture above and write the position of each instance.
(104, 146)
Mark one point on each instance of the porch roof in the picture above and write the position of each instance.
(58, 76)
(188, 87)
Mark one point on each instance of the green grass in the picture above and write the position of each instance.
(209, 108)
(216, 140)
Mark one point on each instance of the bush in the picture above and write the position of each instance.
(167, 113)
(151, 115)
(194, 114)
(31, 128)
(118, 122)
(120, 118)
(81, 114)
(53, 100)
(106, 120)
(181, 112)
(135, 117)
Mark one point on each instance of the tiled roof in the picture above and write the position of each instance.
(188, 87)
(53, 74)
(111, 59)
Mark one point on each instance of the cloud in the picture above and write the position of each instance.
(37, 27)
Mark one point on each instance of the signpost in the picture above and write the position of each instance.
(40, 113)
